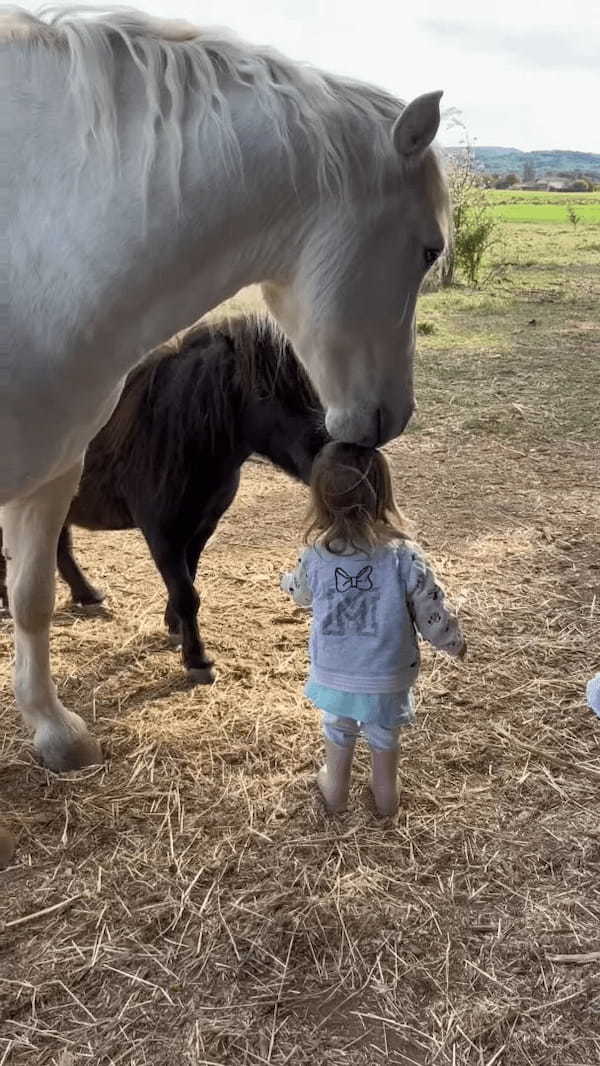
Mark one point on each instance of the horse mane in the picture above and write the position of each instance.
(194, 390)
(345, 124)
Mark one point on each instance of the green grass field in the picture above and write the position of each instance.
(547, 271)
(544, 207)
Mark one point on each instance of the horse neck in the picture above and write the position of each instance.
(226, 232)
(147, 273)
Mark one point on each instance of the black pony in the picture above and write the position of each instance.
(169, 460)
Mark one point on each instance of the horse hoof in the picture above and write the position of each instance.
(8, 846)
(201, 675)
(174, 638)
(90, 598)
(68, 747)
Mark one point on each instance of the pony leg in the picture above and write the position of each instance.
(195, 546)
(184, 601)
(31, 527)
(3, 592)
(193, 550)
(70, 571)
(8, 846)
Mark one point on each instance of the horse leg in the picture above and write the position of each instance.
(81, 589)
(70, 571)
(31, 527)
(184, 602)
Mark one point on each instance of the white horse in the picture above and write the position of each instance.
(153, 170)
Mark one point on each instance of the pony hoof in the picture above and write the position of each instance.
(8, 846)
(201, 675)
(174, 638)
(90, 598)
(68, 748)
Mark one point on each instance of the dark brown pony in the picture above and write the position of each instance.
(169, 460)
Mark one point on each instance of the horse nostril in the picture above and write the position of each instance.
(382, 425)
(389, 425)
(375, 436)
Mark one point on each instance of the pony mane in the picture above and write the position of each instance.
(345, 124)
(264, 362)
(199, 386)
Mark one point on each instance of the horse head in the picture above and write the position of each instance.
(349, 303)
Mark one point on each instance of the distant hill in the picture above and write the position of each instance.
(546, 163)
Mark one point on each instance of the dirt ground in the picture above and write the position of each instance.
(203, 909)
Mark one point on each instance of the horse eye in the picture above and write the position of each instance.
(430, 255)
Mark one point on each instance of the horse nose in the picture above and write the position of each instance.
(368, 426)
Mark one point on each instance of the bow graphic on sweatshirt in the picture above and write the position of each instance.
(361, 581)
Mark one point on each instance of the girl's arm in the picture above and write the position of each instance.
(297, 583)
(434, 621)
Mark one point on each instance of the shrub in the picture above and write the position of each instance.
(474, 226)
(573, 217)
(426, 328)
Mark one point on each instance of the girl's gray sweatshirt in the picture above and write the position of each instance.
(367, 610)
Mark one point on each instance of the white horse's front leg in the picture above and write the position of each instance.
(31, 527)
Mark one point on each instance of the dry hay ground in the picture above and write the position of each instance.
(203, 910)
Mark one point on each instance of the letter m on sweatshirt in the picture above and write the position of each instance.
(354, 613)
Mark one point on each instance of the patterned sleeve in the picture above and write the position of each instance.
(434, 621)
(297, 583)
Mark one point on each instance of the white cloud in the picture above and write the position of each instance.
(539, 48)
(524, 74)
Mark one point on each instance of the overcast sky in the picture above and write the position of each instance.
(524, 74)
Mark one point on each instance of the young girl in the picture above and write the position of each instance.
(371, 591)
(593, 694)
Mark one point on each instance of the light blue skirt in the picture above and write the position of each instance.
(392, 710)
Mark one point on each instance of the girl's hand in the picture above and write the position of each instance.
(287, 582)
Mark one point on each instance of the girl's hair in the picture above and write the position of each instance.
(352, 500)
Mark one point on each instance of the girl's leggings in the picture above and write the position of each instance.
(344, 731)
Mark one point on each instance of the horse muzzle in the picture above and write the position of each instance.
(368, 426)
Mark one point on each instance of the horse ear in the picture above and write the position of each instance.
(415, 128)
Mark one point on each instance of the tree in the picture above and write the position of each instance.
(506, 182)
(528, 172)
